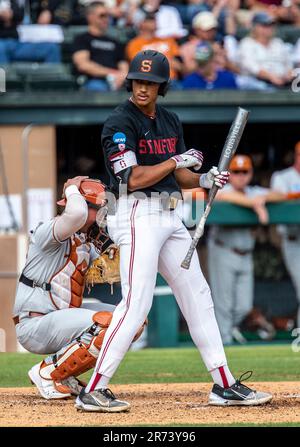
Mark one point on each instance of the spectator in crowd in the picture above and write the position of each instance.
(72, 12)
(205, 29)
(146, 40)
(288, 182)
(264, 56)
(98, 56)
(11, 49)
(223, 10)
(207, 76)
(230, 250)
(59, 12)
(283, 11)
(169, 23)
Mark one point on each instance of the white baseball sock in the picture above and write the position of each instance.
(222, 376)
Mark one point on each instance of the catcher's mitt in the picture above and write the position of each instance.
(105, 269)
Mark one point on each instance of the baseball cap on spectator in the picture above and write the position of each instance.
(203, 53)
(262, 18)
(205, 20)
(240, 163)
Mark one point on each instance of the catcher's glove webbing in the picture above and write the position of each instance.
(105, 269)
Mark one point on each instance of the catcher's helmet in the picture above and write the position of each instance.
(93, 191)
(149, 65)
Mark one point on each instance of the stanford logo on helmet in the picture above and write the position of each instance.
(146, 65)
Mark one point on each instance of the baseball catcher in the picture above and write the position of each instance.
(49, 314)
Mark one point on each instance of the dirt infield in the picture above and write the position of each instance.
(152, 404)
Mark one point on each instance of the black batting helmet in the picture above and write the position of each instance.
(149, 65)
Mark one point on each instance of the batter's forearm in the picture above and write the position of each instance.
(187, 179)
(145, 176)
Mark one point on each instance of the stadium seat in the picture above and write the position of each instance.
(71, 32)
(40, 76)
(13, 81)
(288, 33)
(30, 68)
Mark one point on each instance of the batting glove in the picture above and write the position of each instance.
(190, 158)
(214, 177)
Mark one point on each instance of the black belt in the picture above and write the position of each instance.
(235, 250)
(31, 283)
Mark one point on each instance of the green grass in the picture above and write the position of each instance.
(269, 363)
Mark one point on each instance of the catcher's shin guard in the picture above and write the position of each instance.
(79, 357)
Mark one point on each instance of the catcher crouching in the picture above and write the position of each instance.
(49, 314)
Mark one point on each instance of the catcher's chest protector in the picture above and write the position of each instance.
(67, 285)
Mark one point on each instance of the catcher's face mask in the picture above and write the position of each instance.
(98, 237)
(96, 233)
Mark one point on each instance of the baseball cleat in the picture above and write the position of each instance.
(45, 387)
(100, 400)
(237, 394)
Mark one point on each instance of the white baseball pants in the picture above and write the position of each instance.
(153, 240)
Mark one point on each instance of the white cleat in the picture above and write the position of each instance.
(46, 387)
(237, 395)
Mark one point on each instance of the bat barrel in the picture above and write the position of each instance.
(233, 138)
(232, 141)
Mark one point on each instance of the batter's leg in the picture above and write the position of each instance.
(139, 250)
(194, 299)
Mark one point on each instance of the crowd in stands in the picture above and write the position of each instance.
(211, 44)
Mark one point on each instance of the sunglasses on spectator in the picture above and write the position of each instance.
(240, 171)
(104, 15)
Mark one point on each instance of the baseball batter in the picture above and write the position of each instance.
(288, 182)
(48, 311)
(145, 155)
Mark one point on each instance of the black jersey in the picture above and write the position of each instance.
(153, 140)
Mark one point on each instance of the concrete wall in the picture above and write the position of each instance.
(38, 170)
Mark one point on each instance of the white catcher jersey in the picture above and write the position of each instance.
(46, 256)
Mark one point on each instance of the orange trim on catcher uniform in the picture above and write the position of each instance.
(77, 278)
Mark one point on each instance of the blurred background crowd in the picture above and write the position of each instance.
(211, 44)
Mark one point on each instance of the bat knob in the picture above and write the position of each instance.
(185, 264)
